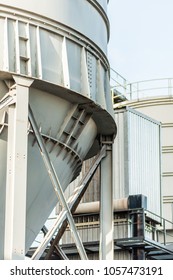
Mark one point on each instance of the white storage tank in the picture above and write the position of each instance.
(52, 43)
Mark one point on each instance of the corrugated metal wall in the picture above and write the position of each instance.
(93, 191)
(160, 108)
(137, 157)
(89, 230)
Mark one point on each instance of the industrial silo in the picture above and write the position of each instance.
(54, 61)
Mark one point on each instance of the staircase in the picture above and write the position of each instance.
(157, 243)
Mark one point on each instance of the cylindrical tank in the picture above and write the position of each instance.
(62, 45)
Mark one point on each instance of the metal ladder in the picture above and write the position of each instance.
(23, 50)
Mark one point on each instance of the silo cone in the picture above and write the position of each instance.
(61, 47)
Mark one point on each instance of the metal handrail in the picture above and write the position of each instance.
(156, 215)
(163, 229)
(142, 88)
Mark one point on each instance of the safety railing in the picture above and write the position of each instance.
(163, 231)
(140, 89)
(153, 226)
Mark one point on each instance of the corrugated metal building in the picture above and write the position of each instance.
(137, 157)
(160, 108)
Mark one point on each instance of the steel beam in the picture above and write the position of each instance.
(16, 183)
(106, 207)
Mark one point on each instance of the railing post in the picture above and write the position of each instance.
(130, 91)
(169, 87)
(164, 231)
(137, 91)
(125, 87)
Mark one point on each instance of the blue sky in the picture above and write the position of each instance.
(141, 42)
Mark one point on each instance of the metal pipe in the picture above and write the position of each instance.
(94, 207)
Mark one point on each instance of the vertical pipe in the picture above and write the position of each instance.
(106, 208)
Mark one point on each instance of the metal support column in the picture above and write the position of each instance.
(16, 185)
(106, 206)
(139, 231)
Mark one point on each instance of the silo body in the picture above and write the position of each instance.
(61, 46)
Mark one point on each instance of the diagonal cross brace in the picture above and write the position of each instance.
(60, 224)
(7, 100)
(56, 184)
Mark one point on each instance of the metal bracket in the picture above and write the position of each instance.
(8, 99)
(107, 140)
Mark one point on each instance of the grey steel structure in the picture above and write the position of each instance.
(154, 99)
(137, 193)
(52, 60)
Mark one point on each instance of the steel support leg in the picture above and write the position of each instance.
(56, 184)
(15, 211)
(106, 207)
(139, 231)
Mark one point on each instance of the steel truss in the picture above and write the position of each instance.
(17, 101)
